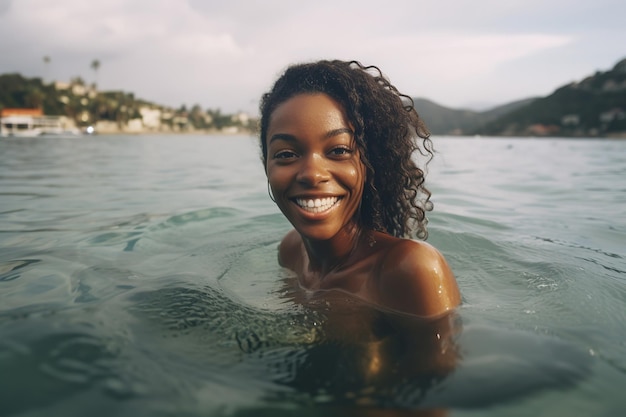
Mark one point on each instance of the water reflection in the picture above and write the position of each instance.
(369, 357)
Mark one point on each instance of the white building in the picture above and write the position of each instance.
(151, 118)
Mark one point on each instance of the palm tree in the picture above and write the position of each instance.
(95, 65)
(46, 61)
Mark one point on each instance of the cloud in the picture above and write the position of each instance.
(452, 56)
(161, 50)
(226, 54)
(4, 6)
(114, 25)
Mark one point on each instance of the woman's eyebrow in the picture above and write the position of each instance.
(292, 138)
(340, 131)
(283, 136)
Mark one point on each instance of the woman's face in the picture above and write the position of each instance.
(313, 165)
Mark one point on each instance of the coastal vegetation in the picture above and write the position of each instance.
(594, 106)
(446, 121)
(113, 111)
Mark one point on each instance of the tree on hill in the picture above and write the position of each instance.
(46, 61)
(95, 66)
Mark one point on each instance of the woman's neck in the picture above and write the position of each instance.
(326, 256)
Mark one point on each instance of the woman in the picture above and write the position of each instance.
(338, 141)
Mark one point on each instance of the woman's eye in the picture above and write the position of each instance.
(284, 155)
(341, 151)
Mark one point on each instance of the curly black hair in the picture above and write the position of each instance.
(387, 132)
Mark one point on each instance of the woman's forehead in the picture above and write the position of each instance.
(306, 109)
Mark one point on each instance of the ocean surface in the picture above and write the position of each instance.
(138, 277)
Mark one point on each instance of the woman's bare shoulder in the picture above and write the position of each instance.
(290, 250)
(415, 278)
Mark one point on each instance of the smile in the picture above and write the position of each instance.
(316, 205)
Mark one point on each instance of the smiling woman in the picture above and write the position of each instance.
(313, 167)
(338, 142)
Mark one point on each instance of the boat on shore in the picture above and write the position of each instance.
(32, 123)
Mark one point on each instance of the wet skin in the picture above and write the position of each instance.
(312, 160)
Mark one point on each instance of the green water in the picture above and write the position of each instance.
(138, 276)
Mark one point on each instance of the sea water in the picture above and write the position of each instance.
(138, 276)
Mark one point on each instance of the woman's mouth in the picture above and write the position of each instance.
(316, 205)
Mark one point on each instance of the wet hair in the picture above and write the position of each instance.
(387, 132)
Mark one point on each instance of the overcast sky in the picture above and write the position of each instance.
(226, 53)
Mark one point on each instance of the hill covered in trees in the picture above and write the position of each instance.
(442, 120)
(112, 111)
(595, 106)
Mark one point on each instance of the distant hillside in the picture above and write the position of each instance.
(595, 106)
(112, 111)
(442, 120)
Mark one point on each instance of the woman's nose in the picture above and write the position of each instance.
(313, 170)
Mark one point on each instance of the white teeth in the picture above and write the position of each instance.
(317, 205)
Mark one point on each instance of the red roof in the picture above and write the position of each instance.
(20, 112)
